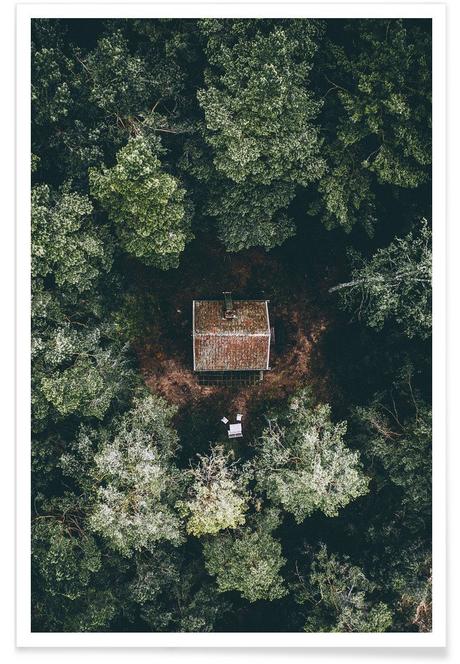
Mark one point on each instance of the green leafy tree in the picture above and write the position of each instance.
(174, 593)
(218, 497)
(338, 597)
(51, 75)
(250, 214)
(394, 284)
(248, 559)
(410, 577)
(258, 109)
(303, 463)
(120, 81)
(137, 480)
(77, 365)
(147, 205)
(69, 580)
(246, 214)
(65, 242)
(69, 132)
(260, 138)
(377, 116)
(66, 557)
(74, 374)
(396, 431)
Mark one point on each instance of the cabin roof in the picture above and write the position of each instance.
(240, 343)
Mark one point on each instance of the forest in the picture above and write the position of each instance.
(283, 159)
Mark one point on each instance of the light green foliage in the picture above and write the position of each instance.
(147, 205)
(217, 497)
(257, 105)
(74, 373)
(303, 464)
(137, 480)
(338, 597)
(248, 559)
(51, 75)
(378, 116)
(394, 284)
(65, 242)
(120, 81)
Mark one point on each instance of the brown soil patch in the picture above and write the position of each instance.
(296, 311)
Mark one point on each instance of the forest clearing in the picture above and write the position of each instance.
(165, 355)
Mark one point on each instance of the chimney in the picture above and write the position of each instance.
(229, 311)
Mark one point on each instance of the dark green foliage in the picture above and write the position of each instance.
(398, 437)
(77, 371)
(395, 283)
(78, 368)
(121, 83)
(158, 145)
(67, 564)
(248, 559)
(259, 122)
(258, 110)
(174, 594)
(377, 81)
(337, 596)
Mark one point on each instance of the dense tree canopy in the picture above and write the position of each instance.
(248, 560)
(258, 110)
(136, 480)
(378, 114)
(65, 244)
(337, 595)
(218, 498)
(286, 159)
(303, 463)
(146, 204)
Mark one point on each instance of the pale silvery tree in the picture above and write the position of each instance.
(395, 283)
(138, 482)
(217, 496)
(303, 463)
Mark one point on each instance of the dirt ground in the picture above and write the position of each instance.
(298, 311)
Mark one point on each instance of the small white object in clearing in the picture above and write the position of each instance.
(235, 431)
(224, 420)
(239, 417)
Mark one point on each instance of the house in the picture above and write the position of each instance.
(231, 340)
